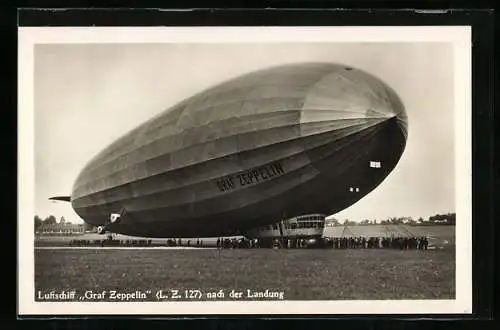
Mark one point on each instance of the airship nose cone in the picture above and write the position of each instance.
(352, 100)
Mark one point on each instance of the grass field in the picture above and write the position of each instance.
(301, 274)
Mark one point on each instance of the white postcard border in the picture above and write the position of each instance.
(459, 36)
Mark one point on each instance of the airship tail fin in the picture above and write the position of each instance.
(61, 198)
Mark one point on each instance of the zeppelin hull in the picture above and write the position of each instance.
(276, 143)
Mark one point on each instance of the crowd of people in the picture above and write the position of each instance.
(110, 242)
(233, 243)
(186, 242)
(402, 243)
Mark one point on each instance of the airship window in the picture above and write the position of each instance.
(351, 189)
(375, 164)
(357, 189)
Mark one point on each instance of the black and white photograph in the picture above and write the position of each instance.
(244, 170)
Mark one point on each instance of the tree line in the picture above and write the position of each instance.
(441, 219)
(50, 220)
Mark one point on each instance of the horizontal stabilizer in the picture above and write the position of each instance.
(61, 198)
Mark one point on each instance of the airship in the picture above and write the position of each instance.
(280, 142)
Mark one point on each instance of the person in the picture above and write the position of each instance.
(421, 243)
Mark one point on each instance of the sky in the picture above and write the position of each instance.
(88, 95)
